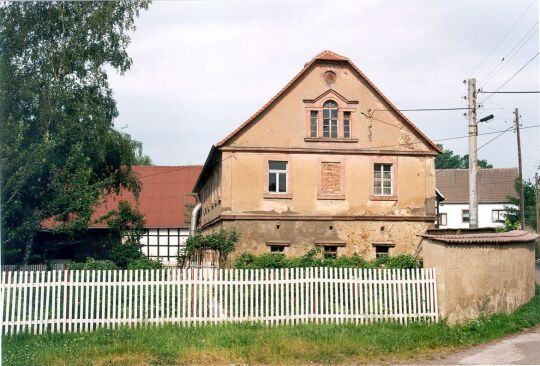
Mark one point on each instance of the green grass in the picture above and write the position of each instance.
(257, 344)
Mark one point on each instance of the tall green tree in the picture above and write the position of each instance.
(513, 217)
(59, 150)
(448, 160)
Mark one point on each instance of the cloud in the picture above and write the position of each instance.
(201, 68)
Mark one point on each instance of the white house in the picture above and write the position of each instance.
(494, 187)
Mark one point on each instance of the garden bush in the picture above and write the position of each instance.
(313, 258)
(91, 263)
(145, 263)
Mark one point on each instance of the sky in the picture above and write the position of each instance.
(201, 68)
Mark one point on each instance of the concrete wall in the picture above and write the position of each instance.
(477, 279)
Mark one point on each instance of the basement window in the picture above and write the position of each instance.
(330, 251)
(277, 248)
(381, 250)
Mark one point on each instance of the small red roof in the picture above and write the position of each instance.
(162, 197)
(516, 236)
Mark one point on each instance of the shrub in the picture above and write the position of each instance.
(93, 264)
(313, 259)
(145, 263)
(222, 241)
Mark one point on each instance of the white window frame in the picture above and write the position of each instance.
(463, 216)
(314, 118)
(382, 179)
(440, 221)
(277, 172)
(501, 215)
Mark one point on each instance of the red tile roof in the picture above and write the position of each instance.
(328, 56)
(494, 185)
(161, 200)
(516, 236)
(162, 196)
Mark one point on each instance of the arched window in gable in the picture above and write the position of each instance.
(330, 119)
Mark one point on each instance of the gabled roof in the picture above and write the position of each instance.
(162, 199)
(327, 56)
(493, 185)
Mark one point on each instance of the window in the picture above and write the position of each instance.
(331, 178)
(277, 177)
(498, 215)
(330, 119)
(382, 180)
(347, 125)
(442, 219)
(277, 248)
(330, 251)
(465, 215)
(381, 250)
(314, 123)
(163, 244)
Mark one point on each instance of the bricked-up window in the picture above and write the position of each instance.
(277, 176)
(314, 123)
(330, 119)
(498, 215)
(382, 179)
(465, 215)
(347, 125)
(330, 178)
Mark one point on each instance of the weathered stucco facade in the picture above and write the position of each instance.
(499, 268)
(328, 192)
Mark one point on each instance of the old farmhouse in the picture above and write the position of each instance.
(329, 161)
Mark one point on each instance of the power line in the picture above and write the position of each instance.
(509, 92)
(506, 59)
(423, 109)
(511, 77)
(504, 37)
(496, 137)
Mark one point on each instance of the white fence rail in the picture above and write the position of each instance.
(33, 267)
(75, 301)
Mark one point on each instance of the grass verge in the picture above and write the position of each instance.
(258, 344)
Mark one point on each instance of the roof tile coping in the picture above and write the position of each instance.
(515, 236)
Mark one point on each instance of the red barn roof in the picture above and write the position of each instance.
(162, 198)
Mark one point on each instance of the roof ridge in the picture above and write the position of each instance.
(335, 57)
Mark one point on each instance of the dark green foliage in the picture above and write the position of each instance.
(93, 264)
(313, 259)
(60, 152)
(223, 241)
(379, 343)
(448, 160)
(513, 215)
(144, 263)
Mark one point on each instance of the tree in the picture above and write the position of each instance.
(513, 216)
(448, 160)
(59, 151)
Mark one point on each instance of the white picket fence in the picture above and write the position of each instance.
(33, 267)
(75, 301)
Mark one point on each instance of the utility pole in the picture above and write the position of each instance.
(521, 195)
(473, 134)
(537, 204)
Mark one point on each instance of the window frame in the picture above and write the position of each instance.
(386, 245)
(393, 162)
(167, 234)
(289, 180)
(439, 219)
(463, 216)
(277, 243)
(499, 212)
(314, 117)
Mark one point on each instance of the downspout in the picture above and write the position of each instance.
(194, 216)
